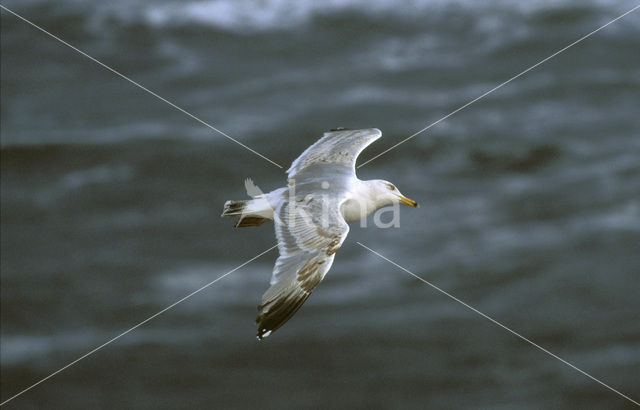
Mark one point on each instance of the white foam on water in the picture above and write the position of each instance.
(257, 16)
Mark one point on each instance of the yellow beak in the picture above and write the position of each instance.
(409, 202)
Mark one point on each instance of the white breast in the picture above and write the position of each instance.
(355, 209)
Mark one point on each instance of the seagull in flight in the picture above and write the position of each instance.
(311, 216)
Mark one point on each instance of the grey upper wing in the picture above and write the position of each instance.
(340, 147)
(307, 242)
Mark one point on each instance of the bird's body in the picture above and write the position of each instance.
(311, 216)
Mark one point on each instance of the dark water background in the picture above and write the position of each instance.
(530, 203)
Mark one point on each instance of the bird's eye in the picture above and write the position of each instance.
(391, 187)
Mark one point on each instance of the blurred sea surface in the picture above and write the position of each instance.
(530, 205)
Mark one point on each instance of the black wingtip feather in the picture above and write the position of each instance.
(278, 313)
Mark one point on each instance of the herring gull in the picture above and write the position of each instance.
(310, 217)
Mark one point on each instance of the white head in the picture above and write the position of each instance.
(385, 193)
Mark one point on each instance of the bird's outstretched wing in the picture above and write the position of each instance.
(340, 147)
(308, 238)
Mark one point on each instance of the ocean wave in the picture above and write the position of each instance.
(250, 16)
(269, 15)
(75, 181)
(20, 348)
(96, 175)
